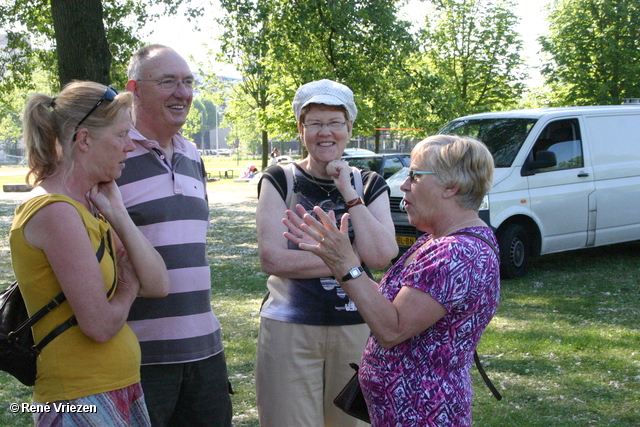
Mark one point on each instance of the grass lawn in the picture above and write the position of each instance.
(564, 347)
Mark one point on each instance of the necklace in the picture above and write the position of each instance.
(321, 187)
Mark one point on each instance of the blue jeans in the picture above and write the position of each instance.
(188, 394)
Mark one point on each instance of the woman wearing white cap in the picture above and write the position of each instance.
(310, 330)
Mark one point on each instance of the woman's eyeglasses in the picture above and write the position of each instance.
(412, 174)
(316, 127)
(108, 95)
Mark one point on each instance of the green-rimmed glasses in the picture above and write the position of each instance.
(412, 174)
(108, 95)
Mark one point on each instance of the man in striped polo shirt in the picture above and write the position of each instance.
(184, 372)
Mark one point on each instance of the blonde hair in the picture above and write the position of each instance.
(49, 124)
(458, 161)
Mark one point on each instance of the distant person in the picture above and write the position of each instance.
(431, 308)
(310, 330)
(184, 372)
(73, 235)
(274, 156)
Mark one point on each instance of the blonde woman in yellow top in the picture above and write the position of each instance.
(76, 146)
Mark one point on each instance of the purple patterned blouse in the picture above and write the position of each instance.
(426, 380)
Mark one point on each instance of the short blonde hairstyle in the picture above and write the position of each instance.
(458, 161)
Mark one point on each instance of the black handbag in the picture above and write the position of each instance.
(18, 352)
(351, 399)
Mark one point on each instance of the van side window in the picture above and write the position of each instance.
(563, 138)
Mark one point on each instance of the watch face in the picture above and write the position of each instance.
(353, 273)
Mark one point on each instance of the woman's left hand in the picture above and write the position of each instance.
(333, 244)
(340, 171)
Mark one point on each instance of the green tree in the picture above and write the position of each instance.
(359, 43)
(245, 44)
(84, 40)
(193, 125)
(279, 45)
(242, 117)
(471, 46)
(11, 112)
(593, 47)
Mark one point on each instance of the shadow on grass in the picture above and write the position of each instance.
(564, 346)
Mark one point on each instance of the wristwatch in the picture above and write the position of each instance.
(351, 203)
(353, 273)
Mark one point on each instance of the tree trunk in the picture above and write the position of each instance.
(265, 149)
(81, 41)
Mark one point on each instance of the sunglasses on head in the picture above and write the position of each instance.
(108, 95)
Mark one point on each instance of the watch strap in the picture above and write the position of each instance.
(355, 202)
(353, 273)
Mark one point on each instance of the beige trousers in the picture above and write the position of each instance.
(300, 369)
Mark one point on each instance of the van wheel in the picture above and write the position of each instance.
(515, 251)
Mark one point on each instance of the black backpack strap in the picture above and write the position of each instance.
(277, 176)
(72, 321)
(60, 298)
(476, 358)
(485, 377)
(478, 236)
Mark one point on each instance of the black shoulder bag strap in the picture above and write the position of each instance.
(60, 298)
(476, 358)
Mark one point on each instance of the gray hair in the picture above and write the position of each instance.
(458, 161)
(141, 55)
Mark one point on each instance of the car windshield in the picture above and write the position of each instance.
(365, 163)
(398, 178)
(503, 136)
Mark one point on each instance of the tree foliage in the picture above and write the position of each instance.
(245, 44)
(473, 49)
(465, 61)
(85, 40)
(594, 48)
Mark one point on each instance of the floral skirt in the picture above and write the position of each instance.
(118, 408)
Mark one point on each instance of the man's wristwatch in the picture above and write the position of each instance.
(353, 273)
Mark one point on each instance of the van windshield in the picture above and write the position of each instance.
(504, 136)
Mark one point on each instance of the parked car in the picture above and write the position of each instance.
(565, 178)
(284, 160)
(406, 233)
(356, 152)
(385, 164)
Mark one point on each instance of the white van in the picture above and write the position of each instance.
(565, 178)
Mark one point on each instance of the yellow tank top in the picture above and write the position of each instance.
(72, 365)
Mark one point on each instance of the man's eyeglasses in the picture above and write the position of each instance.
(169, 83)
(108, 95)
(333, 126)
(412, 174)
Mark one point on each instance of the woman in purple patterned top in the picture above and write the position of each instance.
(429, 311)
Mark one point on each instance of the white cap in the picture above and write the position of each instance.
(325, 92)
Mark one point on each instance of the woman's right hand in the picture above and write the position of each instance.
(323, 239)
(107, 199)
